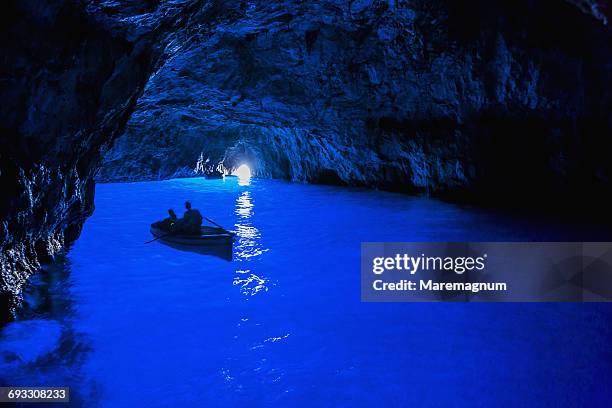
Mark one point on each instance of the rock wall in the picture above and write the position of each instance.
(71, 74)
(474, 100)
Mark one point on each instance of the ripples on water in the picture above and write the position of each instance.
(127, 324)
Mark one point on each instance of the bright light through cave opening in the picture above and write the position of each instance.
(243, 172)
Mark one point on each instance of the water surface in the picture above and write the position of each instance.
(128, 324)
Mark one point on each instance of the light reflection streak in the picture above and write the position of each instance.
(252, 284)
(248, 247)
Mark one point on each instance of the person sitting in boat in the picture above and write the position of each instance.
(167, 224)
(191, 222)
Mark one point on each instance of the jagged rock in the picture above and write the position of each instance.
(476, 99)
(597, 8)
(72, 72)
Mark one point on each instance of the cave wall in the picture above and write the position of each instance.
(71, 74)
(470, 100)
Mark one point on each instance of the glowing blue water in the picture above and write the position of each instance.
(127, 324)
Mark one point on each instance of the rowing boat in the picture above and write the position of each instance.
(208, 236)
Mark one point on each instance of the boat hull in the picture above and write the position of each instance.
(209, 236)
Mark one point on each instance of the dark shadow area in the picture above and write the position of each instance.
(41, 346)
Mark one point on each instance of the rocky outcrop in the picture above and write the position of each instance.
(474, 100)
(71, 74)
(597, 8)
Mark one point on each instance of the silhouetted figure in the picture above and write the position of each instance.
(191, 222)
(167, 224)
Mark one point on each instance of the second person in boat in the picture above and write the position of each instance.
(191, 223)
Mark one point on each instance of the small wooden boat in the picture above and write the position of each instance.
(213, 241)
(208, 236)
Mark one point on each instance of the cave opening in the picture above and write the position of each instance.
(242, 160)
(243, 172)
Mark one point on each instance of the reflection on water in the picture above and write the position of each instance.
(248, 247)
(244, 206)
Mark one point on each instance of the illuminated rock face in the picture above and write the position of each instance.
(438, 96)
(597, 8)
(462, 99)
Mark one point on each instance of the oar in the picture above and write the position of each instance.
(214, 223)
(161, 236)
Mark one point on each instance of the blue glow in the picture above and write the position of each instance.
(126, 324)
